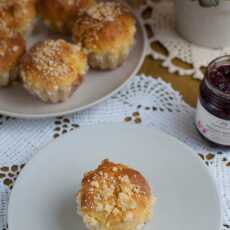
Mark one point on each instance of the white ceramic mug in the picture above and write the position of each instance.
(205, 26)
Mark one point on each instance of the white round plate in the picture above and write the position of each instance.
(98, 85)
(43, 196)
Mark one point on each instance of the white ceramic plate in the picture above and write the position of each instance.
(98, 85)
(43, 196)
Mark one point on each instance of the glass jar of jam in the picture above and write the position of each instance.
(213, 108)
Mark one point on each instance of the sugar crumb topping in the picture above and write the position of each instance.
(73, 2)
(105, 11)
(113, 193)
(48, 58)
(15, 48)
(5, 29)
(7, 44)
(3, 48)
(7, 3)
(17, 6)
(92, 22)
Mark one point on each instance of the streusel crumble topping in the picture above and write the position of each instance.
(49, 58)
(105, 11)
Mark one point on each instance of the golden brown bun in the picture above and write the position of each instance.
(52, 69)
(59, 15)
(19, 15)
(114, 197)
(107, 31)
(12, 48)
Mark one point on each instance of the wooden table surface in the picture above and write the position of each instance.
(186, 85)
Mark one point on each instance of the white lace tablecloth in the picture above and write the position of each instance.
(144, 101)
(158, 16)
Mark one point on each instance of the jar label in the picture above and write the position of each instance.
(213, 128)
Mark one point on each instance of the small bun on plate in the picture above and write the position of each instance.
(19, 15)
(115, 197)
(53, 69)
(107, 30)
(12, 48)
(59, 15)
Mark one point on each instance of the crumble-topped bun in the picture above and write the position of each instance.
(12, 48)
(53, 69)
(19, 15)
(107, 31)
(60, 15)
(114, 197)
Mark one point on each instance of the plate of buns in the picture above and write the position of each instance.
(59, 57)
(115, 177)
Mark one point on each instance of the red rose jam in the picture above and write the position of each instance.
(213, 109)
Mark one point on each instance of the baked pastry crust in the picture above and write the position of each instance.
(12, 48)
(114, 197)
(19, 15)
(59, 15)
(53, 69)
(107, 30)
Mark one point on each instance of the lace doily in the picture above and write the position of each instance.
(165, 44)
(144, 101)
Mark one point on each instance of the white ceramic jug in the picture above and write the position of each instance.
(203, 25)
